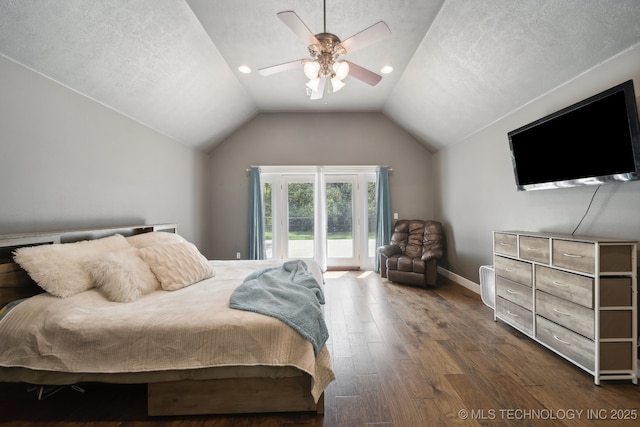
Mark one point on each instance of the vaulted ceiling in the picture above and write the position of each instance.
(172, 65)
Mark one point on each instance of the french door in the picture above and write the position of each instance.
(300, 228)
(290, 225)
(349, 230)
(321, 214)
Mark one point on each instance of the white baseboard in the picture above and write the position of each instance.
(460, 280)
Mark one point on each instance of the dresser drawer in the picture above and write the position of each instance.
(578, 256)
(616, 324)
(572, 345)
(616, 291)
(534, 249)
(506, 244)
(572, 316)
(515, 292)
(616, 258)
(515, 315)
(518, 271)
(614, 356)
(573, 287)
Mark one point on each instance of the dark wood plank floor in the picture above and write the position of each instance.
(404, 357)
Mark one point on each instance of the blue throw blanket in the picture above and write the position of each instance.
(289, 293)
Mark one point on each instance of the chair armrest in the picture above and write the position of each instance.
(388, 250)
(431, 254)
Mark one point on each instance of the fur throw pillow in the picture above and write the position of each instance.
(60, 269)
(122, 276)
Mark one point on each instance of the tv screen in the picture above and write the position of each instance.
(592, 142)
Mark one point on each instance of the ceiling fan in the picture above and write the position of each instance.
(325, 50)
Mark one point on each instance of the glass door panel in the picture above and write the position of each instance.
(300, 220)
(267, 197)
(341, 199)
(371, 219)
(340, 220)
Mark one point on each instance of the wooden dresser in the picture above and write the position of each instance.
(575, 295)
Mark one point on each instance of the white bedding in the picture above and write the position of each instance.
(187, 329)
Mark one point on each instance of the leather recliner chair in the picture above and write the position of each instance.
(411, 257)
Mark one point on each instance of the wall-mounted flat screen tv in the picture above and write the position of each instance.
(592, 142)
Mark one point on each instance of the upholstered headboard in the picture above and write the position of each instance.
(15, 282)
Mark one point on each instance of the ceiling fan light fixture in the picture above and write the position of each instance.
(336, 84)
(311, 69)
(325, 49)
(313, 84)
(386, 69)
(341, 68)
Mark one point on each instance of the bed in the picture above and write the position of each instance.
(195, 353)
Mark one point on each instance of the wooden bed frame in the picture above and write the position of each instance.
(189, 397)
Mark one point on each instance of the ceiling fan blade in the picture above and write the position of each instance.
(320, 92)
(291, 20)
(267, 71)
(363, 74)
(368, 36)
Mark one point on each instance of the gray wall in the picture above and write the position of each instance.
(475, 189)
(68, 162)
(311, 139)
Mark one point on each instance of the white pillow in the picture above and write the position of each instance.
(177, 265)
(153, 238)
(122, 276)
(60, 269)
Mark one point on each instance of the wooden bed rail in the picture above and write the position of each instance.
(232, 396)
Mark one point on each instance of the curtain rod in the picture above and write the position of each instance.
(378, 166)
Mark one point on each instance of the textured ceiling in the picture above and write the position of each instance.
(459, 65)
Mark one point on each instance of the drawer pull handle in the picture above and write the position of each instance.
(561, 312)
(511, 313)
(560, 285)
(509, 269)
(561, 340)
(512, 292)
(504, 244)
(533, 249)
(572, 255)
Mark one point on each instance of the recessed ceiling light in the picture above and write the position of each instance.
(244, 69)
(386, 69)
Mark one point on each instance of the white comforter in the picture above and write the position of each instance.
(186, 329)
